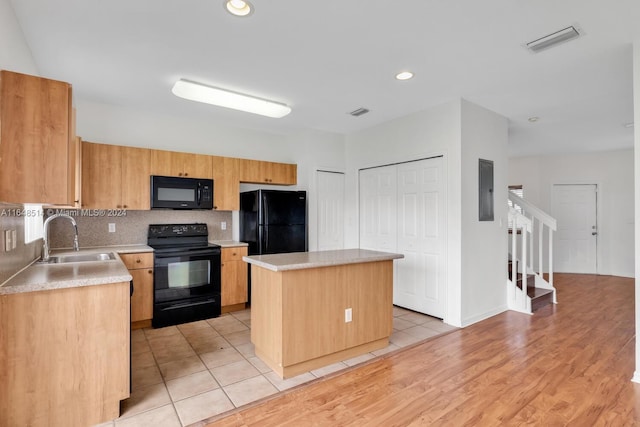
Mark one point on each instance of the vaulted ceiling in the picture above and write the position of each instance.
(327, 58)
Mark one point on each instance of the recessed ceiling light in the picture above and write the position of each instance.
(554, 39)
(533, 119)
(228, 99)
(405, 75)
(238, 7)
(358, 112)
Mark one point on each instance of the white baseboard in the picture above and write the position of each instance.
(479, 317)
(636, 377)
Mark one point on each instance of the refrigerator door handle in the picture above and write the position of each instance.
(265, 210)
(265, 240)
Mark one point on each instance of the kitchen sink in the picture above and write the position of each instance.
(63, 259)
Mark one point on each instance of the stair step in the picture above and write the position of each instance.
(539, 297)
(531, 281)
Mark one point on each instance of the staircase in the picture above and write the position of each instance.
(540, 297)
(529, 287)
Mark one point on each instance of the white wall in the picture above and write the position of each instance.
(636, 180)
(462, 132)
(15, 54)
(111, 124)
(424, 134)
(612, 171)
(484, 243)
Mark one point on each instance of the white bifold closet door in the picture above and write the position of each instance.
(330, 210)
(402, 209)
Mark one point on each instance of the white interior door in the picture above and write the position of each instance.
(378, 208)
(421, 280)
(330, 210)
(402, 209)
(575, 243)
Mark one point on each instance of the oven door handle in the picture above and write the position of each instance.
(171, 254)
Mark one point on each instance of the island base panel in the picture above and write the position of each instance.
(298, 316)
(309, 365)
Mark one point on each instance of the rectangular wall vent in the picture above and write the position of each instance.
(553, 39)
(359, 112)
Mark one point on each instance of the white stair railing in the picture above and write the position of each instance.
(528, 224)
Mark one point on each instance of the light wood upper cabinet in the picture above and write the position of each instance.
(259, 172)
(136, 181)
(101, 175)
(226, 183)
(173, 163)
(115, 177)
(37, 157)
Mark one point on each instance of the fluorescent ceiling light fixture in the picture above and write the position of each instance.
(238, 7)
(405, 75)
(224, 98)
(554, 39)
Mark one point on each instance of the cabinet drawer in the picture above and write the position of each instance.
(234, 254)
(138, 260)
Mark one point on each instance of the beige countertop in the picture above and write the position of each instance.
(302, 260)
(228, 243)
(43, 277)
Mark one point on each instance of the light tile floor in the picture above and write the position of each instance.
(186, 373)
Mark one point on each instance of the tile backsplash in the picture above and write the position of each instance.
(130, 228)
(22, 255)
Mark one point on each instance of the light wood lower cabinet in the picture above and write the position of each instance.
(140, 266)
(234, 279)
(64, 356)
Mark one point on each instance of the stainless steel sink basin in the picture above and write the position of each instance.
(63, 259)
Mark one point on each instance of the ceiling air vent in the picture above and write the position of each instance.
(553, 39)
(359, 112)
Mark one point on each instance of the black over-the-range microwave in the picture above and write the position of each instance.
(170, 192)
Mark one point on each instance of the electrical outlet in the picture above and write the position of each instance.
(223, 225)
(112, 227)
(7, 240)
(347, 315)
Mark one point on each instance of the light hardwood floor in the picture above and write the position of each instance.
(568, 364)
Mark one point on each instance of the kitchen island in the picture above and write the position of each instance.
(311, 309)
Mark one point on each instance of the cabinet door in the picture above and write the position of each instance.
(260, 172)
(142, 298)
(136, 172)
(173, 163)
(281, 173)
(101, 176)
(234, 276)
(166, 163)
(196, 166)
(35, 140)
(226, 185)
(134, 261)
(251, 171)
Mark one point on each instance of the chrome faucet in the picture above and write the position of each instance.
(45, 248)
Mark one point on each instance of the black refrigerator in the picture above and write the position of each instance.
(273, 221)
